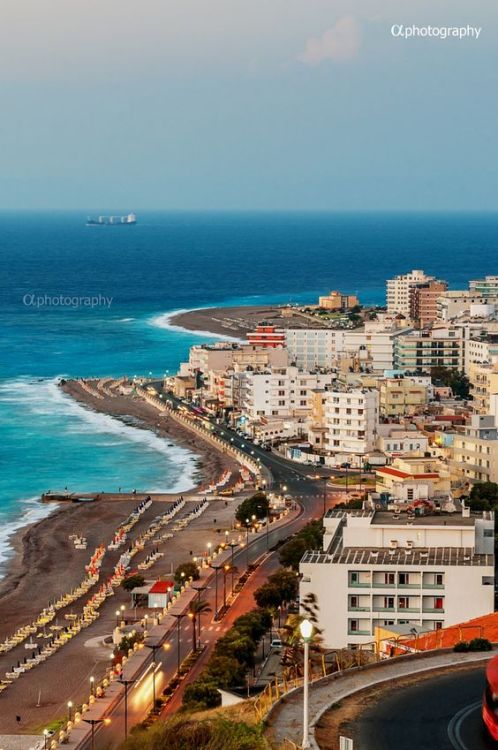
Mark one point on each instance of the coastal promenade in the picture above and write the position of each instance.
(279, 473)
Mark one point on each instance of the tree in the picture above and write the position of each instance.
(268, 596)
(457, 381)
(225, 671)
(200, 694)
(133, 582)
(287, 583)
(485, 491)
(256, 505)
(196, 608)
(309, 537)
(189, 570)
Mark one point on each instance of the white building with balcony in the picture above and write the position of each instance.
(380, 569)
(344, 420)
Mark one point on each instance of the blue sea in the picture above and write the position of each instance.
(169, 262)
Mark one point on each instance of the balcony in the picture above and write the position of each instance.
(409, 585)
(359, 632)
(385, 609)
(401, 610)
(376, 585)
(359, 585)
(431, 610)
(358, 609)
(433, 585)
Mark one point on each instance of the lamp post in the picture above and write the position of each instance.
(199, 590)
(232, 546)
(45, 739)
(247, 543)
(93, 723)
(306, 628)
(216, 569)
(153, 648)
(92, 685)
(126, 684)
(226, 568)
(69, 710)
(179, 618)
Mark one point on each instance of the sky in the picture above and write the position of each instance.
(247, 105)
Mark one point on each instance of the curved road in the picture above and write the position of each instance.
(441, 713)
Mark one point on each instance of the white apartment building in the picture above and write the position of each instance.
(311, 348)
(475, 453)
(394, 441)
(398, 291)
(487, 287)
(277, 392)
(378, 569)
(422, 350)
(344, 420)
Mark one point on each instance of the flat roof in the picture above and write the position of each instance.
(386, 518)
(416, 556)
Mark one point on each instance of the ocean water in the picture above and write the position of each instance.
(168, 262)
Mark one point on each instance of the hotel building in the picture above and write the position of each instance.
(398, 291)
(423, 302)
(475, 453)
(344, 420)
(379, 568)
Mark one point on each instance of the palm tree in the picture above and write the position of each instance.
(195, 609)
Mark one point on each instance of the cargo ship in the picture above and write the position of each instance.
(112, 221)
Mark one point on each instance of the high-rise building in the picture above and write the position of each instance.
(344, 420)
(398, 291)
(487, 287)
(423, 301)
(266, 334)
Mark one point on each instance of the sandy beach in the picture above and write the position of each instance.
(237, 321)
(46, 564)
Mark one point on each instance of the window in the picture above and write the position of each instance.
(403, 602)
(389, 602)
(389, 578)
(404, 579)
(438, 579)
(354, 602)
(438, 602)
(353, 625)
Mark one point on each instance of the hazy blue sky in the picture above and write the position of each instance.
(212, 104)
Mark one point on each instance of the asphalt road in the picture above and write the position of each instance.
(441, 713)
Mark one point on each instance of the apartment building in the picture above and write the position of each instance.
(277, 392)
(483, 380)
(423, 350)
(487, 287)
(344, 420)
(267, 335)
(453, 304)
(475, 453)
(389, 569)
(311, 348)
(401, 396)
(338, 301)
(482, 349)
(398, 291)
(395, 441)
(423, 301)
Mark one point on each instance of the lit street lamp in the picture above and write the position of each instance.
(126, 684)
(153, 647)
(179, 618)
(216, 569)
(93, 723)
(306, 628)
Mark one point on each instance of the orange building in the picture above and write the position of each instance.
(267, 335)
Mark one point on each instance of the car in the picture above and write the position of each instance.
(276, 643)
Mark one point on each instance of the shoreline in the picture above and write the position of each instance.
(40, 550)
(231, 322)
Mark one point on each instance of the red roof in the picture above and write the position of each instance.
(161, 587)
(404, 474)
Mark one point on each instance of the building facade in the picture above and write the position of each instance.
(475, 453)
(384, 570)
(344, 420)
(398, 291)
(423, 302)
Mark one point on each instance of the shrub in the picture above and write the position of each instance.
(184, 733)
(190, 569)
(461, 646)
(256, 505)
(480, 644)
(133, 582)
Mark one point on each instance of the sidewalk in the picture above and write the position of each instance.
(285, 719)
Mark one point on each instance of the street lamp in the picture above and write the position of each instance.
(93, 723)
(216, 569)
(45, 738)
(117, 618)
(226, 568)
(199, 590)
(92, 685)
(153, 648)
(247, 543)
(324, 478)
(69, 710)
(126, 684)
(306, 628)
(179, 618)
(232, 546)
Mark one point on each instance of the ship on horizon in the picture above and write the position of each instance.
(108, 221)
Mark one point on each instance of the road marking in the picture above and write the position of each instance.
(455, 726)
